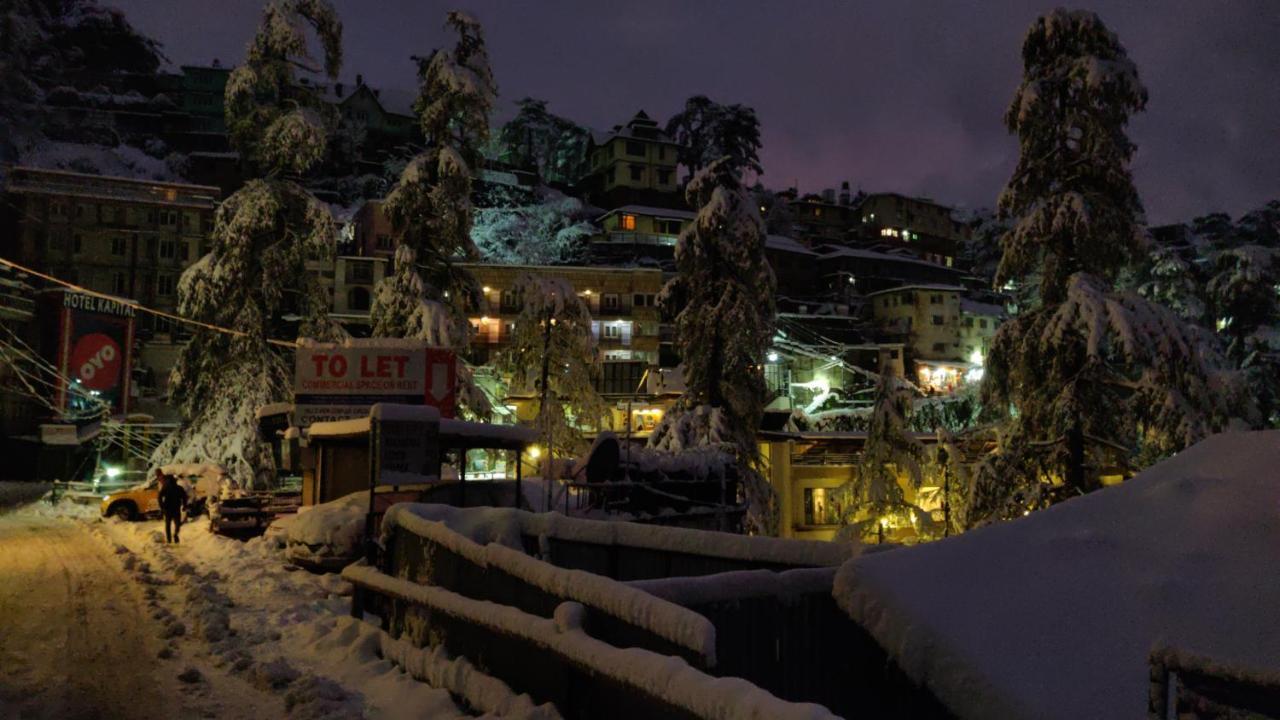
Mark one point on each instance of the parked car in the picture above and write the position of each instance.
(201, 481)
(133, 503)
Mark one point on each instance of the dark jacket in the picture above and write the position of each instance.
(172, 498)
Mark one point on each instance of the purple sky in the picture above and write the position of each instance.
(903, 96)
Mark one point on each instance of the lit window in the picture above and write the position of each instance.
(628, 222)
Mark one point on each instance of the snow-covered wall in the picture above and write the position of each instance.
(1055, 615)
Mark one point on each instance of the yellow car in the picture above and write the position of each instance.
(133, 503)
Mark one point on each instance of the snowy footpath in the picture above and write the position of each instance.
(105, 619)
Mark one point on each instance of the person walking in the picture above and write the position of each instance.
(172, 499)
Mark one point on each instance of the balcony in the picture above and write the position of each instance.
(638, 238)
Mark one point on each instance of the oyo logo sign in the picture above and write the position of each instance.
(96, 361)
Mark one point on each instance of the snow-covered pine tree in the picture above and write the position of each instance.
(58, 49)
(263, 235)
(724, 290)
(553, 353)
(538, 139)
(553, 231)
(1086, 376)
(427, 295)
(1246, 307)
(1167, 278)
(708, 131)
(876, 495)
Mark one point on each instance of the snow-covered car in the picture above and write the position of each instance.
(327, 537)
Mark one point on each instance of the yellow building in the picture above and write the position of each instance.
(633, 163)
(643, 225)
(807, 469)
(626, 323)
(946, 334)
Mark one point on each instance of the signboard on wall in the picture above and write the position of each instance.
(405, 444)
(338, 381)
(95, 351)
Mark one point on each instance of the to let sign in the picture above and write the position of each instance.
(335, 381)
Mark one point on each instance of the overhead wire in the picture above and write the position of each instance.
(138, 306)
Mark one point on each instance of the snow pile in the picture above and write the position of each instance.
(1054, 615)
(121, 161)
(458, 676)
(328, 535)
(355, 654)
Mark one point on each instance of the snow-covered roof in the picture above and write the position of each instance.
(649, 210)
(919, 286)
(786, 244)
(339, 428)
(459, 433)
(831, 252)
(946, 364)
(973, 307)
(40, 180)
(1054, 615)
(628, 131)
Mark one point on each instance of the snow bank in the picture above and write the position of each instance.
(669, 678)
(353, 652)
(121, 161)
(460, 677)
(1054, 615)
(329, 534)
(668, 620)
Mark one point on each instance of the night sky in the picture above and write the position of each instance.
(901, 96)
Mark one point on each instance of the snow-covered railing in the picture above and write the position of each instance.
(1184, 685)
(486, 572)
(726, 551)
(554, 659)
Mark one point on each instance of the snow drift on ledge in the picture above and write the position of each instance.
(1053, 615)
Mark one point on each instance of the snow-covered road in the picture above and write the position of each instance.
(101, 619)
(75, 638)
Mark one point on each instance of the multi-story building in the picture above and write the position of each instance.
(946, 334)
(632, 164)
(200, 96)
(386, 116)
(623, 303)
(634, 232)
(919, 225)
(124, 237)
(372, 231)
(120, 236)
(824, 218)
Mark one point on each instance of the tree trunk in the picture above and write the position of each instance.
(1075, 475)
(542, 405)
